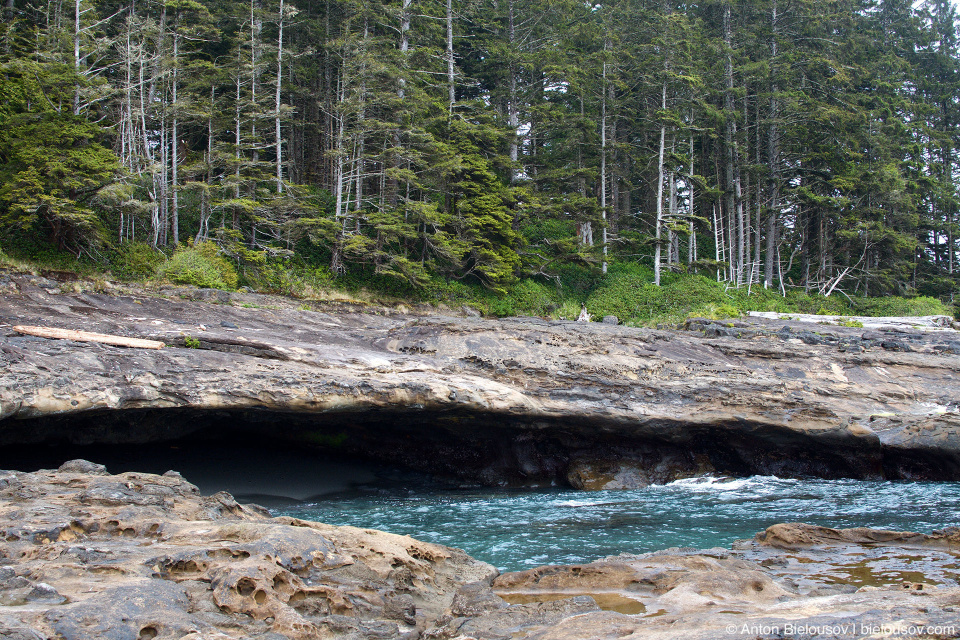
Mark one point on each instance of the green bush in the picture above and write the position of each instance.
(800, 302)
(200, 266)
(577, 280)
(274, 276)
(715, 312)
(533, 298)
(894, 306)
(135, 261)
(569, 310)
(627, 297)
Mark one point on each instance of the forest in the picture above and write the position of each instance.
(552, 153)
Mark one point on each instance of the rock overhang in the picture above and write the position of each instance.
(502, 401)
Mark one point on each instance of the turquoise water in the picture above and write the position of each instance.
(516, 530)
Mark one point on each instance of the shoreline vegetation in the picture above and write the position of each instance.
(625, 291)
(637, 159)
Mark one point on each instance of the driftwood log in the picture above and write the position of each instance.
(86, 336)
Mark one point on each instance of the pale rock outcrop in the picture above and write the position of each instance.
(521, 400)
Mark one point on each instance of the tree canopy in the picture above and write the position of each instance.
(774, 143)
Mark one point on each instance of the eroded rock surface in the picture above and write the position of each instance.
(88, 555)
(520, 400)
(793, 581)
(85, 555)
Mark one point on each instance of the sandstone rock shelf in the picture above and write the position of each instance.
(521, 400)
(85, 555)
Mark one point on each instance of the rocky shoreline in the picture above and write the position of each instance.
(87, 555)
(520, 401)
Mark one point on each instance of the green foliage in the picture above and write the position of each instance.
(200, 266)
(894, 306)
(569, 310)
(288, 278)
(51, 162)
(848, 141)
(29, 252)
(191, 342)
(527, 297)
(715, 312)
(800, 302)
(135, 261)
(856, 324)
(626, 296)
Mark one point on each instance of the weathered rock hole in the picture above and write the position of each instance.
(245, 586)
(260, 596)
(297, 596)
(281, 583)
(187, 566)
(148, 633)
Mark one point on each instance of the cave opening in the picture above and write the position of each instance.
(301, 455)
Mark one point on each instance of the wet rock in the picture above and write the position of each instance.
(611, 320)
(800, 536)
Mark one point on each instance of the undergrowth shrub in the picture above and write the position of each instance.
(626, 296)
(135, 261)
(200, 266)
(895, 306)
(276, 277)
(533, 298)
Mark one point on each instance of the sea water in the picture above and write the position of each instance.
(515, 530)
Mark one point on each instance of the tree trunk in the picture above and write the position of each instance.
(175, 141)
(276, 104)
(76, 56)
(451, 76)
(603, 155)
(773, 155)
(658, 231)
(692, 237)
(513, 116)
(734, 204)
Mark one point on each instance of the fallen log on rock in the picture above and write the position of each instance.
(86, 336)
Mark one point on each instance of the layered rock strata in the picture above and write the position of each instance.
(515, 401)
